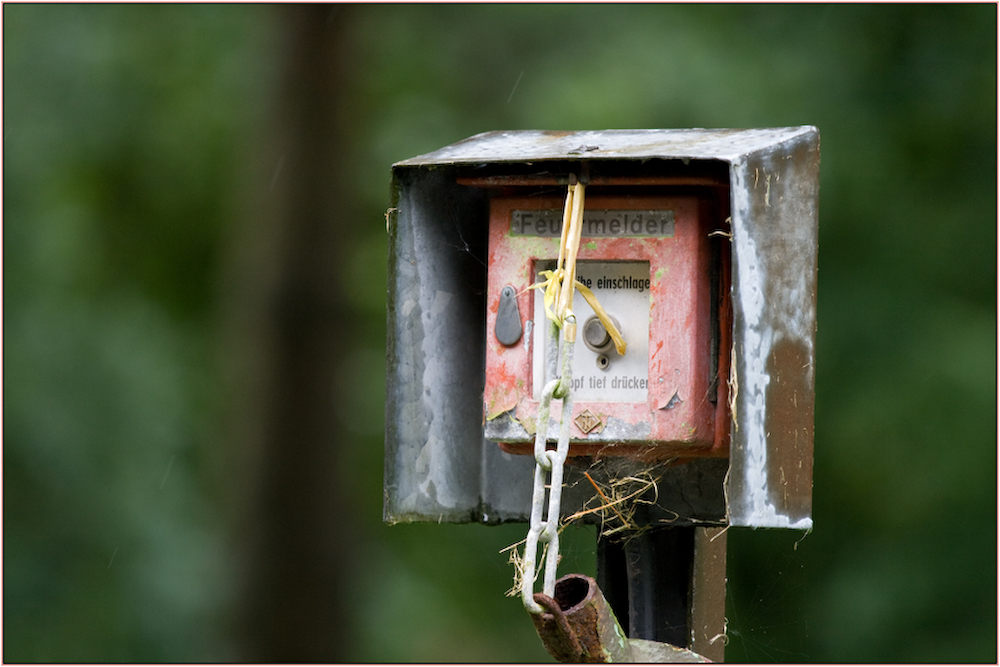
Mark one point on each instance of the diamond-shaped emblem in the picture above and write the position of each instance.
(587, 421)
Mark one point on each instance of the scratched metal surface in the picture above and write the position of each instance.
(775, 202)
(439, 468)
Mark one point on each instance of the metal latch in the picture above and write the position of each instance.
(508, 327)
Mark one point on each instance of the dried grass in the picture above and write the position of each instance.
(616, 499)
(515, 559)
(620, 485)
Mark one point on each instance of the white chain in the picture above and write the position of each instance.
(549, 461)
(559, 288)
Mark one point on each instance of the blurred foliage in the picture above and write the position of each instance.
(133, 143)
(121, 143)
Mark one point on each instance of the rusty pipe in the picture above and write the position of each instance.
(582, 613)
(579, 626)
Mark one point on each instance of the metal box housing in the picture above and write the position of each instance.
(757, 193)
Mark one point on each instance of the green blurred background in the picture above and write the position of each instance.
(148, 207)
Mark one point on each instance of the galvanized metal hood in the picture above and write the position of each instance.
(537, 145)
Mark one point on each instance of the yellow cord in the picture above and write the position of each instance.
(560, 284)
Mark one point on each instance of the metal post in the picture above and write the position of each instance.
(668, 585)
(708, 594)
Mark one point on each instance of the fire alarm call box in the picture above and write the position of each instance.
(700, 246)
(650, 260)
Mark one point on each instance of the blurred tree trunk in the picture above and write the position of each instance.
(296, 536)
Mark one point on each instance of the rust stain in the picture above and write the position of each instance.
(790, 415)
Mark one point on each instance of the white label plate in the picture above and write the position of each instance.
(622, 288)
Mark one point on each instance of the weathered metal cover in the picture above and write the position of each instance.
(439, 468)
